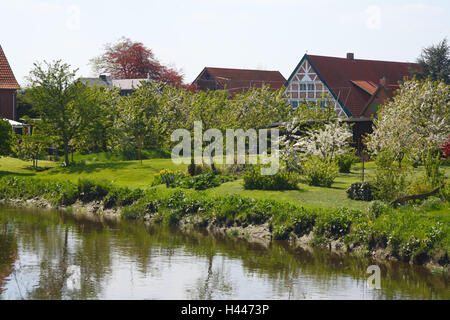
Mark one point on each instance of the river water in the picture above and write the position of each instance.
(53, 255)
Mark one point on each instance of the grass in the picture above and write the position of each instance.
(134, 175)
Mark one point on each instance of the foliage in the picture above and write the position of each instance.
(32, 147)
(132, 60)
(282, 180)
(414, 124)
(390, 177)
(328, 142)
(435, 62)
(6, 137)
(376, 208)
(446, 148)
(318, 172)
(60, 100)
(89, 190)
(136, 120)
(345, 161)
(360, 191)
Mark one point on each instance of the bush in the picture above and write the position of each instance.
(334, 224)
(432, 203)
(121, 197)
(196, 169)
(360, 191)
(390, 178)
(89, 190)
(320, 173)
(282, 180)
(376, 208)
(419, 187)
(345, 161)
(201, 182)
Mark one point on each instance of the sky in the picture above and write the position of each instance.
(189, 35)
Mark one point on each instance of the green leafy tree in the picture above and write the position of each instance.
(6, 137)
(136, 121)
(435, 62)
(59, 99)
(98, 133)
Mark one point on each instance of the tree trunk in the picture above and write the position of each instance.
(66, 153)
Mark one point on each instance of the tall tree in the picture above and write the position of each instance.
(132, 60)
(60, 101)
(435, 62)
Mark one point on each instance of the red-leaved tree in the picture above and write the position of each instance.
(132, 60)
(446, 148)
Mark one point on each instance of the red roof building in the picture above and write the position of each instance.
(8, 87)
(355, 86)
(237, 80)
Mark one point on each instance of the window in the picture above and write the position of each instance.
(311, 87)
(294, 104)
(302, 87)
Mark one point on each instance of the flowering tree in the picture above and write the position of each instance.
(289, 152)
(415, 123)
(326, 143)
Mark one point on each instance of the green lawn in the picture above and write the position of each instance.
(134, 175)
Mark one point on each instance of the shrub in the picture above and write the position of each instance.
(345, 161)
(201, 182)
(235, 169)
(121, 197)
(168, 177)
(432, 203)
(360, 191)
(376, 208)
(420, 186)
(282, 180)
(196, 169)
(89, 190)
(334, 224)
(390, 178)
(320, 173)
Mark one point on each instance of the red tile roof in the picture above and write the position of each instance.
(354, 81)
(238, 79)
(7, 79)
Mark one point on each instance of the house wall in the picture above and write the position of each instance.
(307, 86)
(8, 104)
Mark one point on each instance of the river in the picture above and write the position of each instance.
(47, 254)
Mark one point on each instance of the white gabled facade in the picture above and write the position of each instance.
(306, 86)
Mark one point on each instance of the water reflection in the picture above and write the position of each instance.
(52, 255)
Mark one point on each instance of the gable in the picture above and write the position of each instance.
(7, 79)
(305, 84)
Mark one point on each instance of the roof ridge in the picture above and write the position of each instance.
(242, 69)
(371, 60)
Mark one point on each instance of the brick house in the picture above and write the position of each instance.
(8, 88)
(237, 80)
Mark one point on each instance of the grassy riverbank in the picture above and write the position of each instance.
(418, 234)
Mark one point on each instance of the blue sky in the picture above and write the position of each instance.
(189, 35)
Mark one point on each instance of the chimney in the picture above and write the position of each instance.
(350, 56)
(103, 77)
(383, 82)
